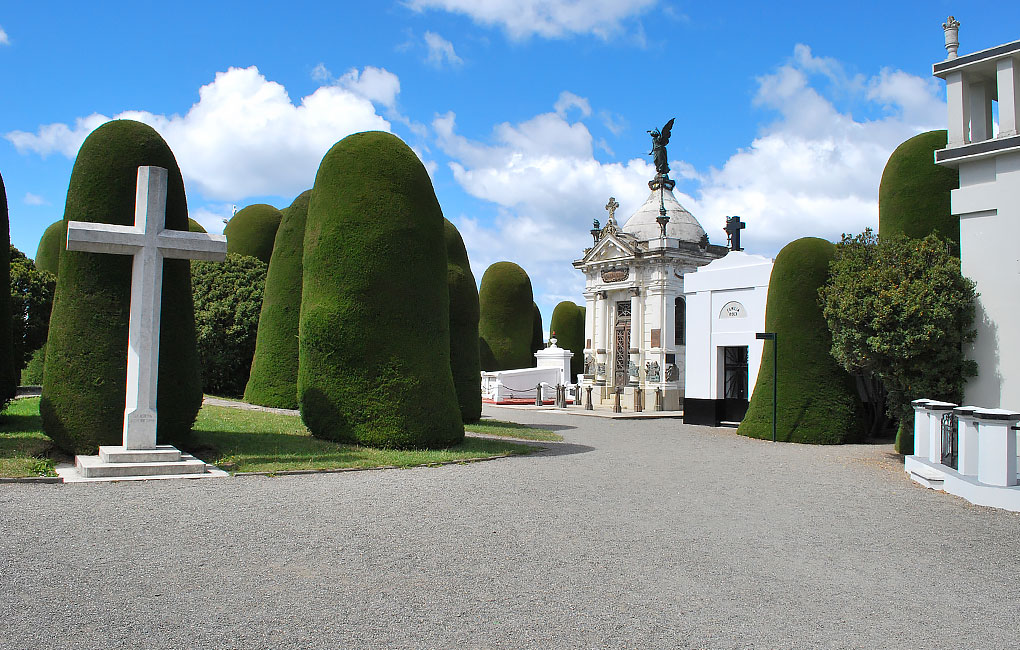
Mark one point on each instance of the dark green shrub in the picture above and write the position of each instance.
(273, 380)
(53, 241)
(82, 403)
(252, 231)
(194, 226)
(537, 333)
(567, 325)
(817, 400)
(32, 375)
(228, 300)
(375, 322)
(506, 324)
(9, 369)
(913, 197)
(31, 304)
(463, 326)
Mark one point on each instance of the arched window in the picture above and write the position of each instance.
(679, 322)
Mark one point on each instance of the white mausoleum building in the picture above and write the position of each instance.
(988, 203)
(634, 293)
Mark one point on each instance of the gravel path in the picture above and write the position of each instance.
(644, 534)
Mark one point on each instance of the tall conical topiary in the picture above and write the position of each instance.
(374, 346)
(817, 400)
(506, 322)
(537, 333)
(463, 326)
(914, 195)
(274, 371)
(53, 241)
(567, 325)
(252, 231)
(86, 353)
(9, 367)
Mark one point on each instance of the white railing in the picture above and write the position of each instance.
(986, 440)
(506, 385)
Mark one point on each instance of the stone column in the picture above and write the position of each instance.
(1007, 75)
(980, 97)
(996, 446)
(936, 410)
(967, 463)
(601, 326)
(959, 109)
(636, 334)
(921, 428)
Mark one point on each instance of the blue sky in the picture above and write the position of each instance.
(529, 115)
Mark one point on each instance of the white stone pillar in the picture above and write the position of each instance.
(959, 110)
(980, 98)
(996, 446)
(635, 333)
(601, 316)
(967, 462)
(1007, 75)
(935, 412)
(921, 428)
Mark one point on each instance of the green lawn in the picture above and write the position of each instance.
(512, 430)
(255, 441)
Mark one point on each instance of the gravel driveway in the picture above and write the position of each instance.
(644, 534)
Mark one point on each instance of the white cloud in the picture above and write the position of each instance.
(34, 199)
(813, 170)
(547, 18)
(245, 137)
(4, 39)
(321, 73)
(213, 216)
(568, 100)
(440, 51)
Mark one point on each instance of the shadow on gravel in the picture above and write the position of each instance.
(560, 449)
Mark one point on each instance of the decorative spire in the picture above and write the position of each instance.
(952, 30)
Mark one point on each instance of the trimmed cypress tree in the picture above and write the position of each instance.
(274, 371)
(9, 368)
(374, 348)
(82, 403)
(913, 197)
(463, 326)
(252, 231)
(537, 333)
(567, 324)
(506, 323)
(53, 241)
(817, 399)
(194, 226)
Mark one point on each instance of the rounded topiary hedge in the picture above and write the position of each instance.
(506, 323)
(817, 399)
(194, 226)
(463, 326)
(82, 403)
(914, 195)
(273, 379)
(537, 333)
(375, 324)
(9, 368)
(252, 231)
(53, 241)
(567, 325)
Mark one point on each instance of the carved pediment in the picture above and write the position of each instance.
(610, 247)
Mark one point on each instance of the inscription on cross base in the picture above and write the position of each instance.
(149, 242)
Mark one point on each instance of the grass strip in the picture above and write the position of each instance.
(24, 449)
(512, 430)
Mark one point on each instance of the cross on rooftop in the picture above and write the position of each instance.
(150, 243)
(733, 227)
(611, 206)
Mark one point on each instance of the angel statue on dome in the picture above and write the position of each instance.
(659, 141)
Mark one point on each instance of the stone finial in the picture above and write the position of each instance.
(952, 30)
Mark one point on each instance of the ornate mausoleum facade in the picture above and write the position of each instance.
(634, 293)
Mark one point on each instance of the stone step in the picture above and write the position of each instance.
(120, 454)
(94, 467)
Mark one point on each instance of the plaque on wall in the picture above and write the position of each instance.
(615, 275)
(657, 338)
(733, 309)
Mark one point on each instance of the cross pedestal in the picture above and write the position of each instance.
(149, 242)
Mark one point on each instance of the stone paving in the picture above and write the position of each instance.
(629, 533)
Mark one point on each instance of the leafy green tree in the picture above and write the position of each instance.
(228, 300)
(31, 303)
(567, 325)
(899, 309)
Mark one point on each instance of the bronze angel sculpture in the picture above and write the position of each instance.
(659, 141)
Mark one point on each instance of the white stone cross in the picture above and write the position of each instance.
(149, 242)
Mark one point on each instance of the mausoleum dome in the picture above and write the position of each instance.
(682, 224)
